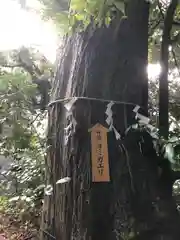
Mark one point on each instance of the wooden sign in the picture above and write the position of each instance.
(99, 154)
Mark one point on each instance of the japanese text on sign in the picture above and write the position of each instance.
(100, 161)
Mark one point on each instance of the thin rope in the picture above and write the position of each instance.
(90, 99)
(47, 233)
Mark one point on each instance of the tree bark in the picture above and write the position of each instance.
(106, 63)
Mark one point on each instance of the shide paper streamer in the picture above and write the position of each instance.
(144, 121)
(109, 113)
(49, 189)
(69, 116)
(63, 180)
(109, 120)
(70, 104)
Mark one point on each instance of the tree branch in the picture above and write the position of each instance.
(33, 70)
(154, 27)
(175, 60)
(10, 66)
(160, 9)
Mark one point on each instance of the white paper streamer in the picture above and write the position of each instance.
(142, 119)
(48, 190)
(69, 104)
(109, 113)
(117, 134)
(134, 126)
(136, 109)
(63, 180)
(72, 126)
(66, 138)
(151, 127)
(153, 131)
(109, 105)
(68, 127)
(74, 123)
(109, 120)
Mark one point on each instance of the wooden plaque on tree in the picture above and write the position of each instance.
(99, 154)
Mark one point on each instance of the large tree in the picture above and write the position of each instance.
(105, 68)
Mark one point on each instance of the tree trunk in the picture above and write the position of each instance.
(108, 63)
(163, 81)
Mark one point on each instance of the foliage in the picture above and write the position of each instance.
(170, 147)
(77, 14)
(22, 141)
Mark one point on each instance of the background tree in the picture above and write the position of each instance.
(22, 138)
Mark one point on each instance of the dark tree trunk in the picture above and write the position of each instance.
(106, 63)
(163, 81)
